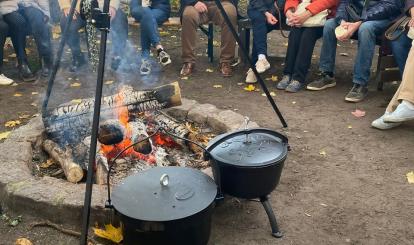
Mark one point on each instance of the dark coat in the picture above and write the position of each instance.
(263, 6)
(377, 9)
(408, 5)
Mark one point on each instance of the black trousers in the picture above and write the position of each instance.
(299, 52)
(17, 30)
(38, 23)
(4, 29)
(119, 33)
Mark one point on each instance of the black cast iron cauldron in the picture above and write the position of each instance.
(248, 164)
(166, 205)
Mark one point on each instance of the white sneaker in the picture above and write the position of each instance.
(403, 112)
(164, 58)
(251, 78)
(5, 80)
(145, 68)
(262, 65)
(380, 124)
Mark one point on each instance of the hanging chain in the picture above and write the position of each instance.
(91, 35)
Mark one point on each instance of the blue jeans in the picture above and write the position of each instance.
(367, 34)
(150, 19)
(400, 49)
(260, 29)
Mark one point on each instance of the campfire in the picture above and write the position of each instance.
(134, 134)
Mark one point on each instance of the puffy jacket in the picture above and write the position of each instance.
(315, 7)
(376, 10)
(42, 5)
(8, 6)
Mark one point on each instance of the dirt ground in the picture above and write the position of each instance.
(343, 182)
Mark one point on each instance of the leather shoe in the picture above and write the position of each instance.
(226, 69)
(187, 69)
(25, 73)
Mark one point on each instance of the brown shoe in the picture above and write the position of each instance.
(226, 69)
(187, 69)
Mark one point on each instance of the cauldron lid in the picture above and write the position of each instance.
(249, 148)
(164, 194)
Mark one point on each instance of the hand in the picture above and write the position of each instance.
(351, 29)
(289, 14)
(298, 19)
(200, 7)
(112, 12)
(270, 18)
(411, 23)
(66, 13)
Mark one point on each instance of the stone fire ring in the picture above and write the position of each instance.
(61, 201)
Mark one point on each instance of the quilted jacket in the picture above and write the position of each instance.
(376, 10)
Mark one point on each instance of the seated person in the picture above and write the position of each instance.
(401, 46)
(302, 42)
(195, 13)
(401, 107)
(37, 15)
(4, 30)
(151, 15)
(15, 23)
(371, 24)
(119, 32)
(262, 14)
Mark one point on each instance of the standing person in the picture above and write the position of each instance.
(4, 29)
(37, 15)
(374, 18)
(17, 29)
(195, 13)
(302, 41)
(119, 32)
(262, 14)
(151, 14)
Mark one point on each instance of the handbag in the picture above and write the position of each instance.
(398, 28)
(316, 20)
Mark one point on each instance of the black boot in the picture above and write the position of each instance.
(77, 62)
(25, 73)
(47, 66)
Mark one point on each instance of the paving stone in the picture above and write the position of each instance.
(201, 112)
(181, 112)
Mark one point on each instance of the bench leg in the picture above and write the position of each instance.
(378, 78)
(210, 38)
(245, 38)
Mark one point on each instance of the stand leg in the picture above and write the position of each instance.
(272, 218)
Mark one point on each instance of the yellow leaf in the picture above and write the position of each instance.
(55, 35)
(17, 95)
(273, 78)
(293, 102)
(28, 51)
(410, 176)
(56, 29)
(74, 85)
(4, 135)
(110, 233)
(217, 86)
(35, 93)
(216, 43)
(77, 101)
(48, 163)
(24, 116)
(273, 94)
(109, 82)
(249, 88)
(349, 126)
(285, 44)
(23, 241)
(184, 78)
(164, 33)
(11, 124)
(322, 153)
(209, 70)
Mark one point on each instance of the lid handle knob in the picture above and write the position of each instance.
(164, 180)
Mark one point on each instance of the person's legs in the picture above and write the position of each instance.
(73, 37)
(190, 21)
(400, 49)
(18, 31)
(328, 51)
(367, 35)
(119, 33)
(304, 53)
(295, 37)
(259, 27)
(4, 30)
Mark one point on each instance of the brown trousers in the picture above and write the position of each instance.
(406, 89)
(191, 19)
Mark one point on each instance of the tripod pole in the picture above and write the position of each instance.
(56, 62)
(252, 66)
(95, 125)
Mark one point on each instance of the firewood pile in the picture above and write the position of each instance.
(127, 117)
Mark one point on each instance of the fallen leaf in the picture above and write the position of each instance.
(410, 177)
(70, 79)
(12, 55)
(358, 113)
(293, 102)
(110, 233)
(109, 82)
(350, 126)
(263, 94)
(17, 95)
(285, 44)
(24, 116)
(49, 162)
(209, 70)
(23, 241)
(217, 86)
(273, 94)
(35, 93)
(324, 205)
(184, 78)
(240, 84)
(344, 54)
(12, 124)
(308, 214)
(164, 33)
(36, 115)
(249, 88)
(74, 85)
(77, 101)
(322, 153)
(55, 35)
(216, 43)
(4, 135)
(33, 104)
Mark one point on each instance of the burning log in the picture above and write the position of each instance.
(73, 172)
(111, 132)
(78, 117)
(139, 132)
(171, 125)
